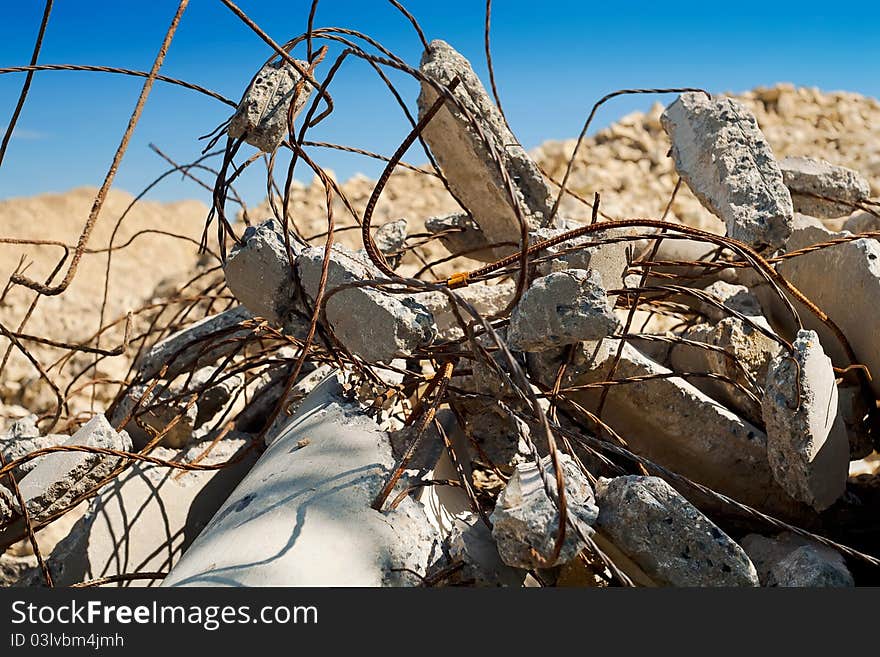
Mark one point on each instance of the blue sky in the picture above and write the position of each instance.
(553, 59)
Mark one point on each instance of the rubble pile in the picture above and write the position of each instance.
(604, 400)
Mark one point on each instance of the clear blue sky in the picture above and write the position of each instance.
(553, 59)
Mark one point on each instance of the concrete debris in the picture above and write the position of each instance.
(525, 519)
(201, 343)
(374, 325)
(862, 222)
(733, 297)
(853, 411)
(488, 300)
(722, 155)
(465, 155)
(9, 507)
(807, 443)
(559, 309)
(749, 349)
(471, 545)
(155, 413)
(322, 472)
(831, 278)
(807, 178)
(259, 274)
(610, 260)
(668, 537)
(461, 234)
(61, 478)
(145, 519)
(262, 115)
(14, 568)
(213, 396)
(792, 560)
(390, 238)
(673, 423)
(21, 439)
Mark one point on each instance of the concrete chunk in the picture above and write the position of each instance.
(668, 537)
(302, 516)
(465, 158)
(732, 297)
(390, 238)
(201, 343)
(792, 560)
(21, 439)
(261, 117)
(673, 423)
(559, 309)
(145, 519)
(64, 476)
(525, 519)
(460, 234)
(372, 324)
(471, 543)
(258, 272)
(722, 155)
(805, 176)
(156, 412)
(807, 443)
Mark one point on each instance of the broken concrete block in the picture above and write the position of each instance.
(487, 299)
(807, 176)
(258, 272)
(372, 324)
(722, 155)
(21, 439)
(471, 543)
(611, 260)
(201, 343)
(525, 520)
(13, 568)
(390, 238)
(156, 412)
(61, 478)
(460, 234)
(465, 156)
(750, 350)
(862, 222)
(673, 423)
(302, 515)
(262, 115)
(214, 397)
(668, 537)
(559, 309)
(146, 518)
(733, 297)
(807, 443)
(792, 560)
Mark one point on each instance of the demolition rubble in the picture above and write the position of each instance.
(643, 404)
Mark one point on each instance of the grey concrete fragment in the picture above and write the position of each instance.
(471, 543)
(559, 309)
(262, 114)
(862, 222)
(610, 260)
(14, 568)
(64, 476)
(733, 297)
(807, 443)
(156, 412)
(21, 439)
(668, 537)
(465, 157)
(792, 560)
(460, 234)
(258, 272)
(488, 300)
(146, 518)
(302, 516)
(213, 397)
(807, 177)
(722, 155)
(372, 324)
(192, 346)
(525, 519)
(390, 238)
(673, 423)
(749, 349)
(853, 411)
